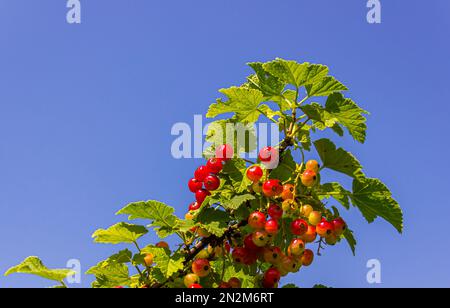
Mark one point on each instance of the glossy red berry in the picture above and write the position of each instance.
(257, 220)
(235, 283)
(201, 195)
(194, 206)
(271, 226)
(255, 173)
(310, 235)
(212, 182)
(195, 286)
(240, 255)
(313, 165)
(275, 211)
(248, 243)
(299, 227)
(309, 178)
(201, 267)
(195, 185)
(272, 276)
(272, 255)
(297, 247)
(225, 152)
(214, 165)
(269, 157)
(260, 238)
(272, 188)
(307, 257)
(339, 226)
(201, 173)
(325, 229)
(288, 192)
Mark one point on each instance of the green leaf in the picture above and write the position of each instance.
(111, 272)
(214, 221)
(321, 118)
(295, 73)
(243, 102)
(161, 215)
(338, 159)
(349, 114)
(119, 233)
(374, 200)
(304, 137)
(243, 273)
(34, 266)
(320, 286)
(325, 87)
(285, 169)
(166, 265)
(241, 136)
(290, 286)
(336, 191)
(348, 235)
(235, 170)
(268, 84)
(235, 202)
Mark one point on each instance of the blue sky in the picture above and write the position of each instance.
(86, 112)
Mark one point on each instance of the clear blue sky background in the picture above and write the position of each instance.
(86, 112)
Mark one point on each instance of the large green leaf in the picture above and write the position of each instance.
(214, 221)
(349, 114)
(166, 264)
(348, 235)
(243, 273)
(119, 233)
(241, 136)
(113, 271)
(34, 266)
(268, 84)
(338, 159)
(161, 215)
(295, 73)
(374, 200)
(336, 191)
(285, 169)
(235, 202)
(325, 87)
(242, 101)
(235, 170)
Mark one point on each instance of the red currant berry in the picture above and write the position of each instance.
(272, 276)
(299, 227)
(269, 156)
(201, 173)
(275, 211)
(310, 235)
(257, 220)
(272, 188)
(313, 165)
(255, 173)
(214, 165)
(201, 195)
(271, 226)
(339, 226)
(225, 152)
(307, 257)
(260, 238)
(272, 255)
(315, 218)
(194, 206)
(324, 229)
(201, 267)
(309, 178)
(195, 286)
(235, 283)
(224, 285)
(288, 192)
(248, 243)
(297, 247)
(240, 255)
(212, 182)
(195, 185)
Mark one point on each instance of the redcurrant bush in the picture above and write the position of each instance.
(256, 221)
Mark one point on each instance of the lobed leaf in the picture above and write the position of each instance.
(34, 266)
(119, 233)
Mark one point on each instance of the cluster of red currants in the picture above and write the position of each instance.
(205, 177)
